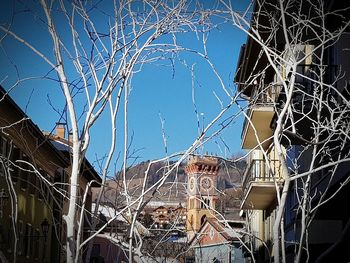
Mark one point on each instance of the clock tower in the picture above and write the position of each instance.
(202, 191)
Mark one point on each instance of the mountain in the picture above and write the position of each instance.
(174, 189)
(229, 175)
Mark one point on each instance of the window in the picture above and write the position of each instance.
(15, 171)
(47, 187)
(1, 235)
(59, 179)
(27, 238)
(40, 184)
(20, 227)
(43, 186)
(24, 172)
(3, 146)
(66, 184)
(95, 250)
(1, 153)
(36, 244)
(10, 239)
(203, 219)
(80, 197)
(205, 203)
(32, 183)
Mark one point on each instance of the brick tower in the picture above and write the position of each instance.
(202, 191)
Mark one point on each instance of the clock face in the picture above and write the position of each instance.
(192, 183)
(206, 183)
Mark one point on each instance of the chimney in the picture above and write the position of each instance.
(60, 130)
(70, 137)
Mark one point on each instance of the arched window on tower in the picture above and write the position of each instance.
(203, 219)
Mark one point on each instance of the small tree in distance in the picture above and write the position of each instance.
(147, 220)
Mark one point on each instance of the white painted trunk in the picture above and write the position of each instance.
(70, 218)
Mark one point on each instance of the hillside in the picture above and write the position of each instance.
(174, 189)
(230, 174)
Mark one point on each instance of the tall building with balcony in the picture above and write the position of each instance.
(262, 179)
(288, 62)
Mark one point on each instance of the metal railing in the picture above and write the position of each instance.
(261, 171)
(262, 96)
(307, 73)
(306, 78)
(265, 95)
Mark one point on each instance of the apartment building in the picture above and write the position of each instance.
(165, 216)
(34, 188)
(293, 73)
(29, 207)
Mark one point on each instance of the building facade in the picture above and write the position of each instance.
(296, 87)
(29, 207)
(218, 243)
(169, 216)
(34, 188)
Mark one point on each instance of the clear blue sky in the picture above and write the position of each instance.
(157, 91)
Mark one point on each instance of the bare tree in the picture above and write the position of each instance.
(94, 64)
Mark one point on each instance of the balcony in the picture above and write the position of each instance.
(305, 104)
(256, 126)
(307, 78)
(259, 184)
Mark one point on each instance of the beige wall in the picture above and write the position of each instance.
(34, 202)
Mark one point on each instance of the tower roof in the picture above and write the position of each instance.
(205, 164)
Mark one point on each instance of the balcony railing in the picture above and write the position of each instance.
(308, 76)
(260, 171)
(262, 96)
(265, 95)
(266, 99)
(259, 184)
(307, 73)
